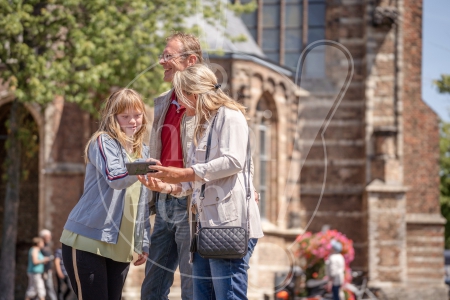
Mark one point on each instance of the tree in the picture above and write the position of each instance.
(79, 49)
(443, 85)
(444, 163)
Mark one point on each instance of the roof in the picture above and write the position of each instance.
(217, 43)
(215, 38)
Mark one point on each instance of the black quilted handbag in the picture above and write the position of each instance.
(224, 242)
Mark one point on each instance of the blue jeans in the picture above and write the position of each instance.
(222, 278)
(169, 246)
(335, 289)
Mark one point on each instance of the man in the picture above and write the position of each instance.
(170, 139)
(47, 251)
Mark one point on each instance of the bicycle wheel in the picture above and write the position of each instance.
(367, 295)
(379, 293)
(374, 294)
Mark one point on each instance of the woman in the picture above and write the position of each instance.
(35, 269)
(110, 221)
(225, 195)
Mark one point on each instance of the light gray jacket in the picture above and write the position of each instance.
(98, 214)
(225, 193)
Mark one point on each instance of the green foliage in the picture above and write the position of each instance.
(443, 84)
(240, 8)
(444, 162)
(81, 48)
(28, 137)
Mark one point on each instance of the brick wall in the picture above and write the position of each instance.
(421, 135)
(425, 230)
(65, 168)
(341, 205)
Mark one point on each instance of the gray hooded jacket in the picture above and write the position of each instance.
(98, 213)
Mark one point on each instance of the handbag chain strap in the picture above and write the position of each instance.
(246, 165)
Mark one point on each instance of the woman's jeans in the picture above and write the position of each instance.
(335, 289)
(221, 278)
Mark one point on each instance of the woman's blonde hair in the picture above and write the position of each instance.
(120, 101)
(200, 80)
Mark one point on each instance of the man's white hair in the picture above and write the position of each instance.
(44, 232)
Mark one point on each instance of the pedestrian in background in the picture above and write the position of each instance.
(63, 288)
(335, 268)
(47, 251)
(35, 269)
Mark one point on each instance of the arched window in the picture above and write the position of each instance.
(284, 28)
(265, 155)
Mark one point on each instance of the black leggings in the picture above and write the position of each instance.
(97, 277)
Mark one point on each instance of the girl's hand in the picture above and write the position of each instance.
(172, 174)
(142, 258)
(153, 184)
(158, 163)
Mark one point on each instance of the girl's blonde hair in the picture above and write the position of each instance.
(120, 101)
(200, 80)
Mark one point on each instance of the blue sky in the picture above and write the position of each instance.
(436, 53)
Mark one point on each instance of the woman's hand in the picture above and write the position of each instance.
(256, 197)
(172, 174)
(142, 258)
(153, 184)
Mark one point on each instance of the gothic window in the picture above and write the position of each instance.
(265, 144)
(280, 29)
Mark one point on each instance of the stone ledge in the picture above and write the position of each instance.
(310, 189)
(273, 230)
(430, 219)
(421, 289)
(65, 169)
(378, 186)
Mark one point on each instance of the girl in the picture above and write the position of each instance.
(110, 221)
(225, 195)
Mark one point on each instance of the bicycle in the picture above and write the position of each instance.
(362, 291)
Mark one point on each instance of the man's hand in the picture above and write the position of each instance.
(256, 197)
(142, 258)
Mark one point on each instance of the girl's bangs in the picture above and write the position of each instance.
(129, 102)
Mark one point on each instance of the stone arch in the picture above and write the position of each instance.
(30, 185)
(281, 87)
(270, 85)
(266, 150)
(256, 88)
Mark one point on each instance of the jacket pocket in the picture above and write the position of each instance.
(219, 210)
(198, 156)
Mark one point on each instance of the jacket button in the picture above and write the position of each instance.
(217, 198)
